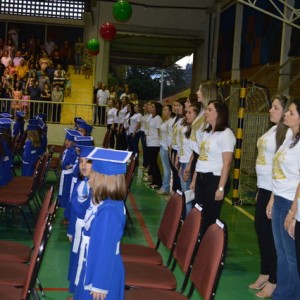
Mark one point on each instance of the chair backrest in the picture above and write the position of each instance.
(42, 214)
(171, 221)
(130, 171)
(208, 261)
(38, 252)
(44, 169)
(187, 239)
(35, 261)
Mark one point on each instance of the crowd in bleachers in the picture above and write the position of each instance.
(30, 70)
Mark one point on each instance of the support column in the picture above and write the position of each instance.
(235, 73)
(102, 62)
(214, 50)
(197, 71)
(285, 70)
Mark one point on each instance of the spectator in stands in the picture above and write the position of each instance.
(2, 68)
(24, 102)
(13, 33)
(24, 51)
(22, 73)
(46, 96)
(43, 79)
(112, 93)
(17, 59)
(7, 78)
(78, 52)
(55, 57)
(44, 61)
(50, 71)
(10, 48)
(49, 45)
(5, 59)
(35, 94)
(59, 79)
(95, 91)
(57, 96)
(87, 64)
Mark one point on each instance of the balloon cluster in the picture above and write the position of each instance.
(93, 46)
(122, 11)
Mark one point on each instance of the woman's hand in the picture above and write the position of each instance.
(270, 207)
(291, 229)
(219, 195)
(186, 174)
(98, 296)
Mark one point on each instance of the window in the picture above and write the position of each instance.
(64, 9)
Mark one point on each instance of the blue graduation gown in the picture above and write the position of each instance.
(79, 204)
(68, 159)
(18, 128)
(103, 269)
(30, 157)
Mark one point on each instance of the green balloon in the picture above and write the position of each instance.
(122, 11)
(93, 45)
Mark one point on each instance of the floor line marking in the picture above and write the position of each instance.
(244, 212)
(55, 289)
(141, 221)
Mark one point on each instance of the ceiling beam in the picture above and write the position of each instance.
(286, 12)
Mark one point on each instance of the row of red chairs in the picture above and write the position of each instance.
(201, 260)
(19, 263)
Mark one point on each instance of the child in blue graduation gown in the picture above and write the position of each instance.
(100, 271)
(80, 202)
(42, 118)
(67, 163)
(18, 129)
(31, 150)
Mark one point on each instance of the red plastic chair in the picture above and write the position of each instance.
(205, 273)
(141, 275)
(167, 235)
(18, 252)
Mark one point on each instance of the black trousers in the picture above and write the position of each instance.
(144, 147)
(112, 135)
(263, 227)
(154, 170)
(205, 190)
(176, 185)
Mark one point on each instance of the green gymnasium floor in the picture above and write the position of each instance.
(146, 207)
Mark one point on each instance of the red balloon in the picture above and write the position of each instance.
(94, 53)
(108, 31)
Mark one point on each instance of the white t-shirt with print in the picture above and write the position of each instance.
(185, 146)
(285, 171)
(152, 136)
(134, 120)
(164, 134)
(211, 148)
(111, 115)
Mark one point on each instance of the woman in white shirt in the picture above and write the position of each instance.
(167, 115)
(267, 145)
(178, 106)
(111, 113)
(143, 136)
(120, 132)
(153, 146)
(211, 177)
(134, 130)
(286, 170)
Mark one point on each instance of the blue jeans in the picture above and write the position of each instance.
(288, 280)
(185, 185)
(164, 156)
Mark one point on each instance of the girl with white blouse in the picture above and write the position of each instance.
(111, 113)
(120, 131)
(153, 145)
(267, 145)
(134, 129)
(211, 177)
(286, 170)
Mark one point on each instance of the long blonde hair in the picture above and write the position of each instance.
(105, 187)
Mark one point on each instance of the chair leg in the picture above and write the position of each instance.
(40, 287)
(25, 219)
(128, 214)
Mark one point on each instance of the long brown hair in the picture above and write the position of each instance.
(112, 187)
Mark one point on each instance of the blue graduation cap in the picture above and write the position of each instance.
(85, 150)
(71, 134)
(41, 124)
(5, 115)
(77, 119)
(20, 114)
(42, 116)
(88, 128)
(33, 122)
(109, 162)
(84, 140)
(5, 123)
(32, 127)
